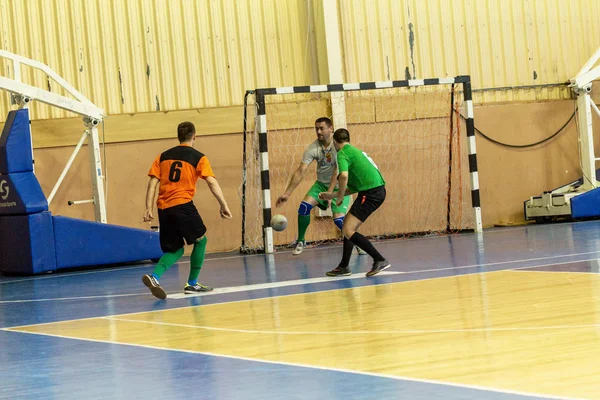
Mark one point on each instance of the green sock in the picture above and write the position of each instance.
(303, 222)
(196, 260)
(166, 261)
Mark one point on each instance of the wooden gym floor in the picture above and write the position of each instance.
(511, 314)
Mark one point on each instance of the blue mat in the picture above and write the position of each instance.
(86, 243)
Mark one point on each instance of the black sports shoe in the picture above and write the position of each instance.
(339, 271)
(379, 266)
(154, 286)
(197, 288)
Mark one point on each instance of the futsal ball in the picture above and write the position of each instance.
(278, 222)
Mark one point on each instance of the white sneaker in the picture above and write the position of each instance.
(299, 248)
(360, 251)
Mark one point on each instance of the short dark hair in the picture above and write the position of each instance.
(324, 119)
(185, 131)
(341, 135)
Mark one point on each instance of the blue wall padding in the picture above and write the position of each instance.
(25, 195)
(586, 204)
(86, 243)
(27, 244)
(15, 143)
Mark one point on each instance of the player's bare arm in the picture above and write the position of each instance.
(327, 195)
(330, 195)
(293, 184)
(150, 198)
(215, 189)
(343, 184)
(333, 195)
(333, 182)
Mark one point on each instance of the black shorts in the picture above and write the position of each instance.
(367, 202)
(179, 223)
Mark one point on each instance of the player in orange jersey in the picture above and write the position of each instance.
(176, 172)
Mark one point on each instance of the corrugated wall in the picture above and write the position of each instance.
(147, 55)
(158, 55)
(499, 43)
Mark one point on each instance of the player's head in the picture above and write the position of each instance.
(324, 129)
(340, 138)
(186, 132)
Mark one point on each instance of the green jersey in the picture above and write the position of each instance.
(363, 174)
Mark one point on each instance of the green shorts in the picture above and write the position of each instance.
(319, 187)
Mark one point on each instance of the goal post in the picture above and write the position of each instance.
(421, 134)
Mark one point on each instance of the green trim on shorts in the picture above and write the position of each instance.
(319, 187)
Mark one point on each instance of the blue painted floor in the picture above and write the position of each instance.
(44, 367)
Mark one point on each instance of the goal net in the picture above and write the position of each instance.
(420, 133)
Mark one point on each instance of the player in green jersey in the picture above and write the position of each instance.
(357, 174)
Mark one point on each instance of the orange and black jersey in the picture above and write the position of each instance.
(178, 170)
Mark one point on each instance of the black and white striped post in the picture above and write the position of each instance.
(475, 198)
(261, 129)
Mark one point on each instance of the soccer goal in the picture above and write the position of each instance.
(420, 133)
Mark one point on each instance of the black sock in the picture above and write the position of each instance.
(364, 244)
(348, 247)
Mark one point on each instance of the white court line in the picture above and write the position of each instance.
(325, 248)
(522, 269)
(511, 262)
(232, 301)
(307, 366)
(64, 274)
(179, 295)
(380, 284)
(391, 332)
(105, 296)
(275, 285)
(263, 298)
(231, 289)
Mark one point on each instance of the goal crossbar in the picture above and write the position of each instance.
(260, 96)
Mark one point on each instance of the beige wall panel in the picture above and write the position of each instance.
(498, 43)
(148, 55)
(141, 56)
(134, 127)
(158, 55)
